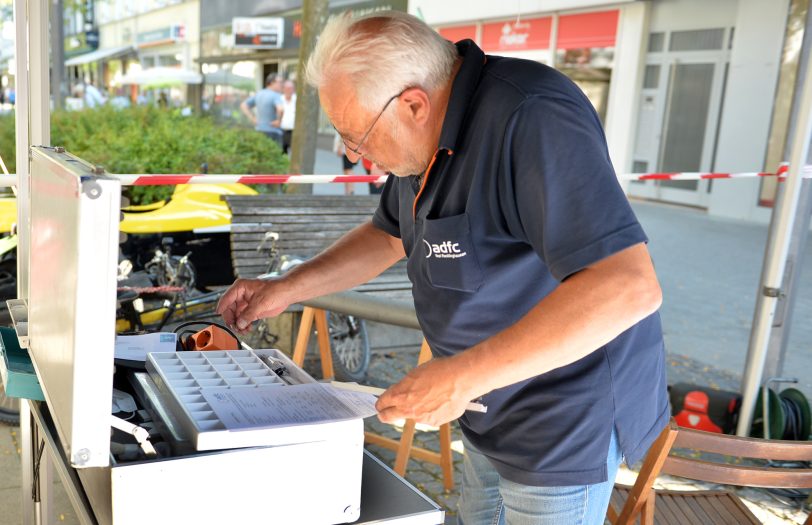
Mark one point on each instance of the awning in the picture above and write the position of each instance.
(161, 77)
(100, 54)
(226, 78)
(249, 56)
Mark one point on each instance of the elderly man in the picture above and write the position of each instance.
(531, 277)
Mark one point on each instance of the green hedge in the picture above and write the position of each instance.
(154, 140)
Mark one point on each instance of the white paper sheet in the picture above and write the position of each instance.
(136, 347)
(277, 406)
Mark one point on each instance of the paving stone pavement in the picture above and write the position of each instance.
(387, 368)
(709, 269)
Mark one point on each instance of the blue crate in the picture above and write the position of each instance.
(20, 379)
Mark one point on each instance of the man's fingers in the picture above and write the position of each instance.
(246, 313)
(391, 415)
(231, 296)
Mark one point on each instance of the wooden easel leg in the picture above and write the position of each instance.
(303, 337)
(324, 344)
(425, 353)
(405, 447)
(446, 460)
(404, 450)
(407, 437)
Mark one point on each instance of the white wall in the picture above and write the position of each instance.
(678, 15)
(748, 106)
(624, 90)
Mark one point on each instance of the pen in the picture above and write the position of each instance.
(375, 391)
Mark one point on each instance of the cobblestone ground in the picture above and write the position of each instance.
(387, 368)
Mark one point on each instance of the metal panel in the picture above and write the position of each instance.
(72, 301)
(686, 118)
(23, 103)
(697, 40)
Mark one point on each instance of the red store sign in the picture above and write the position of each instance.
(457, 33)
(510, 35)
(587, 30)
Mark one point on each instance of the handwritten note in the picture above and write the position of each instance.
(277, 406)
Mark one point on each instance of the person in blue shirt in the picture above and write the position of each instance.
(530, 274)
(264, 109)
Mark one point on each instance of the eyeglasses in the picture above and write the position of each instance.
(357, 148)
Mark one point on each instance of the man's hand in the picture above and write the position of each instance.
(433, 393)
(250, 299)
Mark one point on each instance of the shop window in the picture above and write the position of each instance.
(697, 40)
(169, 61)
(639, 166)
(651, 77)
(656, 42)
(591, 70)
(585, 53)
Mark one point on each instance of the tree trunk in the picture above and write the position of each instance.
(305, 129)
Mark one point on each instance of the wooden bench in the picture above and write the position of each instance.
(306, 224)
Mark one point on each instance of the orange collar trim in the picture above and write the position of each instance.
(425, 179)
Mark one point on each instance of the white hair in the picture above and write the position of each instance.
(383, 53)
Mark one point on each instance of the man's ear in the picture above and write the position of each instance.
(415, 105)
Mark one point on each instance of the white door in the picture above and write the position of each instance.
(679, 114)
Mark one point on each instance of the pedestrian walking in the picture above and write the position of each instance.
(89, 94)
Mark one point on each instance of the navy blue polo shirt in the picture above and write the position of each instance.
(520, 196)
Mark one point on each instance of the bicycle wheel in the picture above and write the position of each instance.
(9, 408)
(349, 345)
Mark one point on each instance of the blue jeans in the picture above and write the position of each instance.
(488, 499)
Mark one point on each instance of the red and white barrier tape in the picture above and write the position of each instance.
(128, 179)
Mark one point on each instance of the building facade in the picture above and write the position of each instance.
(681, 85)
(136, 37)
(243, 41)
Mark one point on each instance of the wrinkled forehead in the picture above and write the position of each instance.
(340, 102)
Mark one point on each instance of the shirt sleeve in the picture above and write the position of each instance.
(251, 101)
(386, 216)
(560, 192)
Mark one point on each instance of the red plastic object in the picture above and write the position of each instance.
(694, 413)
(212, 338)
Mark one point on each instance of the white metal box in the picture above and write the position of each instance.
(74, 218)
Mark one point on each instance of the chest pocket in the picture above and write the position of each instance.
(449, 254)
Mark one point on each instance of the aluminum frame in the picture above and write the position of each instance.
(72, 301)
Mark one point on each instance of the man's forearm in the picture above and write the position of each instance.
(355, 258)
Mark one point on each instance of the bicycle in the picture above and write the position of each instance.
(168, 285)
(349, 341)
(170, 270)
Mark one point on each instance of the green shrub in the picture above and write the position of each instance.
(154, 140)
(7, 142)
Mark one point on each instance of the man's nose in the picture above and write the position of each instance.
(354, 157)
